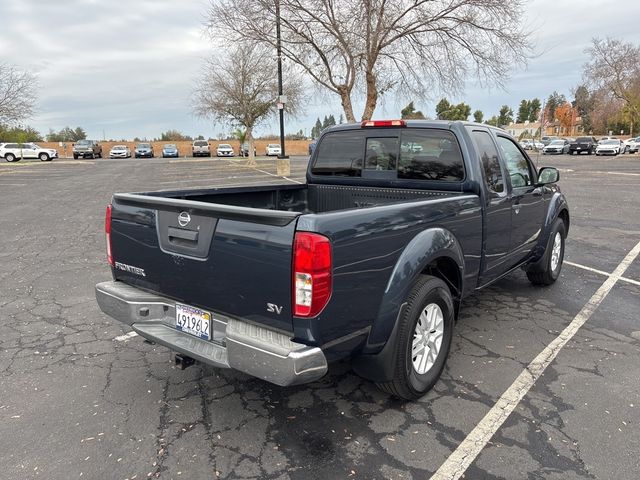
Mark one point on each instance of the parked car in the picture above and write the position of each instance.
(272, 150)
(296, 277)
(87, 149)
(144, 150)
(244, 150)
(526, 144)
(200, 148)
(14, 152)
(120, 151)
(556, 147)
(225, 150)
(169, 150)
(583, 145)
(547, 139)
(628, 144)
(633, 145)
(612, 146)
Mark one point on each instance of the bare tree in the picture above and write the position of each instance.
(240, 88)
(614, 71)
(379, 46)
(17, 94)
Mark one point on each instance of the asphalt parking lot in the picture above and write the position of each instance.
(79, 398)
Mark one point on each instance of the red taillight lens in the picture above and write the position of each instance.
(383, 123)
(107, 231)
(311, 273)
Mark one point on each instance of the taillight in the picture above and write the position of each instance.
(383, 123)
(107, 231)
(311, 273)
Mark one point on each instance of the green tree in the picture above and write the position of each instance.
(19, 134)
(448, 111)
(534, 110)
(173, 136)
(554, 101)
(523, 111)
(317, 129)
(505, 116)
(478, 116)
(410, 112)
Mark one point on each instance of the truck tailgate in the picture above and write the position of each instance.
(227, 259)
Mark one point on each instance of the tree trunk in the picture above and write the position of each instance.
(372, 97)
(345, 96)
(251, 162)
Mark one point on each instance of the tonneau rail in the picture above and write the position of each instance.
(228, 212)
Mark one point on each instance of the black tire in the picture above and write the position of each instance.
(407, 383)
(44, 157)
(626, 149)
(10, 157)
(543, 273)
(75, 157)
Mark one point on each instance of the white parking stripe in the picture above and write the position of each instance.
(589, 269)
(456, 465)
(126, 336)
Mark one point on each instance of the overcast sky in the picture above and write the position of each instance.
(127, 68)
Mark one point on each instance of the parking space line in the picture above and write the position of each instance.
(279, 176)
(462, 457)
(600, 272)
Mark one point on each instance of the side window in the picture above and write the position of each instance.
(516, 163)
(490, 163)
(340, 153)
(430, 154)
(381, 153)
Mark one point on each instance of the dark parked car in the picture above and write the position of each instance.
(87, 149)
(312, 146)
(370, 259)
(244, 150)
(583, 145)
(144, 150)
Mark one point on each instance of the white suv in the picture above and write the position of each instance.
(200, 148)
(13, 152)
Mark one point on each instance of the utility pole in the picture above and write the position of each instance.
(281, 98)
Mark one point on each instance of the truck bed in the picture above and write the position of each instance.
(300, 198)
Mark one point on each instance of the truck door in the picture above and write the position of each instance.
(527, 202)
(497, 220)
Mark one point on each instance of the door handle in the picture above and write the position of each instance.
(516, 208)
(190, 235)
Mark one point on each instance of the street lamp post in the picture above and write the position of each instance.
(281, 99)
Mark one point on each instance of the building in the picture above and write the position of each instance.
(523, 130)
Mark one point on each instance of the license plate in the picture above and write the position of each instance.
(193, 321)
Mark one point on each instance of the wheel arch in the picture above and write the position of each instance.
(434, 252)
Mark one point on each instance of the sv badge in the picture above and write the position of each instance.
(273, 308)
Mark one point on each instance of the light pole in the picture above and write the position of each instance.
(281, 98)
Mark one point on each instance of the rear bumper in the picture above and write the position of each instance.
(249, 348)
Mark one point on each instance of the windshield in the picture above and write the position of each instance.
(83, 142)
(610, 142)
(224, 145)
(201, 143)
(557, 142)
(169, 145)
(274, 145)
(119, 147)
(143, 145)
(583, 139)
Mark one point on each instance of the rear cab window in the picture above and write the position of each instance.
(427, 154)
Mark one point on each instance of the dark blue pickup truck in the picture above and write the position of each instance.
(370, 259)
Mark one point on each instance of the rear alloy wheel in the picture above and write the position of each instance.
(44, 157)
(10, 157)
(548, 269)
(424, 339)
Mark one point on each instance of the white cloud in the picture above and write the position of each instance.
(127, 68)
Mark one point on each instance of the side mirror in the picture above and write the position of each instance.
(548, 175)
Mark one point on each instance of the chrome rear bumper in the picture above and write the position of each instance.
(249, 348)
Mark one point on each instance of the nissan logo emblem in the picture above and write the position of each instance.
(183, 219)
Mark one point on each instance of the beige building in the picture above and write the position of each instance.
(526, 129)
